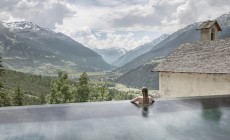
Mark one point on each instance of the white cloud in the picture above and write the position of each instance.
(99, 23)
(113, 39)
(46, 13)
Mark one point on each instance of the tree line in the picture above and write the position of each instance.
(65, 91)
(34, 90)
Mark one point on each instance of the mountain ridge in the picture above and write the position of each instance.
(185, 35)
(41, 48)
(132, 54)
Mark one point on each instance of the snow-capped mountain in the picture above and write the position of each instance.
(129, 56)
(30, 48)
(111, 54)
(23, 25)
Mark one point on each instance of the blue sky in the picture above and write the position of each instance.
(112, 23)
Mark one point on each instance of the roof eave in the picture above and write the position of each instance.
(215, 23)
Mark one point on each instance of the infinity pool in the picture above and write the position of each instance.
(167, 119)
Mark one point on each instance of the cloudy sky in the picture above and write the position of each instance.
(112, 23)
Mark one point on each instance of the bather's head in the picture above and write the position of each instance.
(145, 95)
(145, 92)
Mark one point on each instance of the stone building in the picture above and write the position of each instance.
(196, 69)
(209, 30)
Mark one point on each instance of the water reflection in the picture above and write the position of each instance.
(145, 111)
(211, 110)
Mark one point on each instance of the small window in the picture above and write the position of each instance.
(212, 34)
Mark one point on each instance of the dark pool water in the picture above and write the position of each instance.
(180, 119)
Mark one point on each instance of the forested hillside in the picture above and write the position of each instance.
(20, 89)
(30, 84)
(23, 89)
(141, 76)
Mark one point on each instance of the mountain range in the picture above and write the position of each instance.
(161, 50)
(129, 56)
(173, 41)
(28, 47)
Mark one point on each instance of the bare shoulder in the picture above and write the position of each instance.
(136, 99)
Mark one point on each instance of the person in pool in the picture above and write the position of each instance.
(145, 99)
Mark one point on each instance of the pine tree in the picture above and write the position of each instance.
(95, 93)
(1, 84)
(42, 99)
(56, 96)
(5, 99)
(1, 67)
(60, 92)
(66, 93)
(83, 90)
(53, 91)
(84, 79)
(65, 89)
(19, 97)
(104, 92)
(1, 74)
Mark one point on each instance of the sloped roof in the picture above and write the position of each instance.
(208, 24)
(199, 57)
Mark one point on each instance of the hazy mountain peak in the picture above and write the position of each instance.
(111, 54)
(121, 50)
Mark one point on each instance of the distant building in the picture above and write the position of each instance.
(209, 30)
(197, 69)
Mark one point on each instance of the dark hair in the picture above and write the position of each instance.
(145, 95)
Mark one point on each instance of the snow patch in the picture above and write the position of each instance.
(24, 25)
